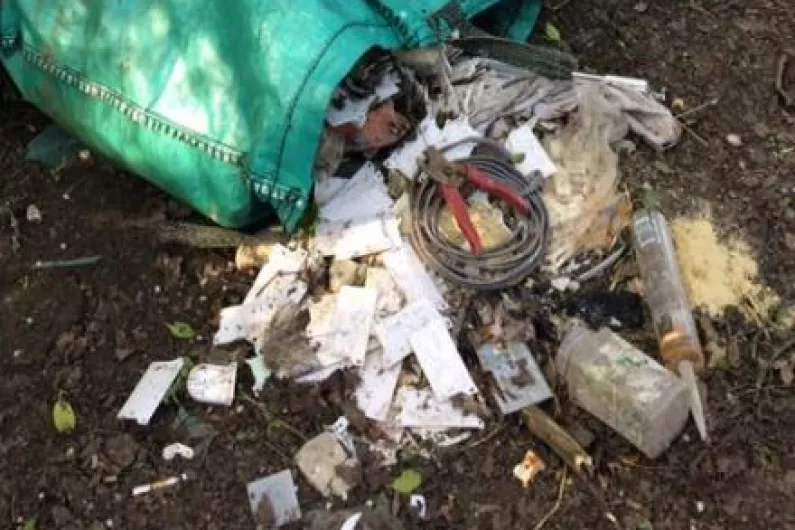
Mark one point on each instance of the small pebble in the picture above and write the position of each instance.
(734, 140)
(700, 507)
(641, 7)
(17, 353)
(63, 246)
(33, 214)
(29, 321)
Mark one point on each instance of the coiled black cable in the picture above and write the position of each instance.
(495, 268)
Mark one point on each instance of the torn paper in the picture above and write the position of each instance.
(212, 384)
(359, 237)
(377, 386)
(390, 299)
(420, 408)
(394, 333)
(250, 320)
(353, 322)
(280, 262)
(524, 142)
(412, 278)
(150, 391)
(440, 361)
(363, 196)
(279, 491)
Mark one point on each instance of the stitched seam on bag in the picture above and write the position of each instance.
(131, 110)
(294, 195)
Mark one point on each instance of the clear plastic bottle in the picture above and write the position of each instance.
(664, 292)
(623, 387)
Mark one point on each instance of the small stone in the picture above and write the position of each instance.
(734, 140)
(700, 506)
(33, 214)
(63, 246)
(789, 240)
(641, 7)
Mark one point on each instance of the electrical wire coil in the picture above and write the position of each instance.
(498, 267)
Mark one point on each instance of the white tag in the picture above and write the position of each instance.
(377, 387)
(441, 362)
(419, 408)
(394, 333)
(150, 391)
(412, 278)
(212, 383)
(358, 237)
(523, 141)
(353, 322)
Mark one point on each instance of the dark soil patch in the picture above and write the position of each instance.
(64, 330)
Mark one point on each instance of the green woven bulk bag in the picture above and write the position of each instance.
(220, 104)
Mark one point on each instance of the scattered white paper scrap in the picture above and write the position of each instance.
(279, 491)
(212, 383)
(412, 278)
(523, 141)
(364, 196)
(394, 333)
(354, 321)
(440, 361)
(150, 391)
(281, 261)
(377, 387)
(406, 157)
(390, 300)
(177, 449)
(358, 237)
(419, 408)
(250, 320)
(355, 110)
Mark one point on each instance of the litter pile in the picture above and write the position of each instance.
(459, 199)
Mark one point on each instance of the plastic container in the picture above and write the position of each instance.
(664, 292)
(623, 387)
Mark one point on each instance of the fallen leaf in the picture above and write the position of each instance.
(645, 524)
(552, 32)
(30, 524)
(63, 417)
(407, 482)
(181, 330)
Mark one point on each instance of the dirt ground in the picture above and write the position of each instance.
(88, 333)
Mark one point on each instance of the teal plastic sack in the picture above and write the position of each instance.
(220, 104)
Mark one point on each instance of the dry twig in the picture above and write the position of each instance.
(558, 502)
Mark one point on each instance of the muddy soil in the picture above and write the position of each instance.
(88, 333)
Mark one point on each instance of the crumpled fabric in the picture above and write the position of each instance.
(489, 91)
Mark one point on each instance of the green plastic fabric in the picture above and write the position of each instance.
(221, 104)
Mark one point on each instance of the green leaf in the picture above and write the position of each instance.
(645, 524)
(181, 330)
(407, 482)
(30, 524)
(63, 417)
(552, 32)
